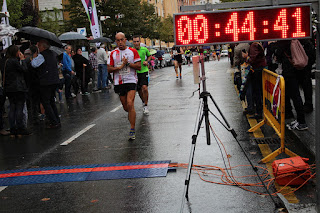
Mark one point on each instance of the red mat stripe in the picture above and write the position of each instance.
(98, 169)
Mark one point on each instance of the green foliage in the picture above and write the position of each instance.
(21, 13)
(137, 17)
(78, 16)
(51, 21)
(166, 29)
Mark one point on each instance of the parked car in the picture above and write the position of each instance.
(168, 59)
(224, 53)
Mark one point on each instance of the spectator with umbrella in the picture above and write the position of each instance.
(15, 88)
(49, 80)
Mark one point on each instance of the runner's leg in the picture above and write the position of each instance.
(176, 67)
(130, 106)
(123, 100)
(145, 94)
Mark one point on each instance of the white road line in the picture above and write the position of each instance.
(155, 84)
(77, 135)
(2, 188)
(115, 109)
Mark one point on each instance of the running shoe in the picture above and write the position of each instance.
(145, 110)
(177, 76)
(292, 125)
(132, 134)
(301, 127)
(180, 76)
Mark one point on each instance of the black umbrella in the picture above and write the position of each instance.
(57, 50)
(101, 40)
(36, 34)
(70, 36)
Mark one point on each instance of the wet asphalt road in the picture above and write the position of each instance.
(163, 135)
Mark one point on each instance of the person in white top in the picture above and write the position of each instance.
(123, 63)
(102, 58)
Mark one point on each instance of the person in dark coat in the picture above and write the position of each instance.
(304, 76)
(33, 84)
(282, 54)
(82, 69)
(15, 87)
(47, 63)
(258, 62)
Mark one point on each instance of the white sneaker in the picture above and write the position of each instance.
(73, 95)
(292, 125)
(145, 110)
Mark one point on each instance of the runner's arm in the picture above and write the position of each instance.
(136, 66)
(112, 69)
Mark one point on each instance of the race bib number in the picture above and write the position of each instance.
(175, 52)
(124, 71)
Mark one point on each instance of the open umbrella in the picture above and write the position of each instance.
(70, 36)
(101, 40)
(128, 44)
(36, 34)
(152, 51)
(7, 30)
(57, 50)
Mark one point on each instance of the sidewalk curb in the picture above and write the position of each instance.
(296, 136)
(298, 208)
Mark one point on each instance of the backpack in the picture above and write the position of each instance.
(299, 58)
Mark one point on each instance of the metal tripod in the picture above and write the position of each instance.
(204, 114)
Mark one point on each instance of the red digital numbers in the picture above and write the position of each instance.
(281, 24)
(200, 24)
(298, 17)
(259, 24)
(196, 29)
(185, 30)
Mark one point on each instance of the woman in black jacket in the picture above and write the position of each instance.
(15, 88)
(82, 69)
(282, 53)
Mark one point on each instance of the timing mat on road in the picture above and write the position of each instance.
(146, 169)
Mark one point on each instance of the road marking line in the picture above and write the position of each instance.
(117, 108)
(2, 188)
(77, 135)
(155, 84)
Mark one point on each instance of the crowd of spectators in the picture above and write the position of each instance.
(33, 78)
(277, 57)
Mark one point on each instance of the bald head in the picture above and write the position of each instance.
(121, 41)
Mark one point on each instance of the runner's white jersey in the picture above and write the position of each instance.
(127, 74)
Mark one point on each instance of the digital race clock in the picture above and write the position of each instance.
(232, 26)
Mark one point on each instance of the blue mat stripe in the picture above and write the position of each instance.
(83, 166)
(85, 176)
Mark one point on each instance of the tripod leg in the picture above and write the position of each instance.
(193, 149)
(206, 115)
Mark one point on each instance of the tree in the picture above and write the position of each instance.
(78, 16)
(128, 16)
(28, 10)
(166, 29)
(21, 13)
(51, 21)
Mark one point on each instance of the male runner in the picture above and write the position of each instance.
(143, 74)
(123, 63)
